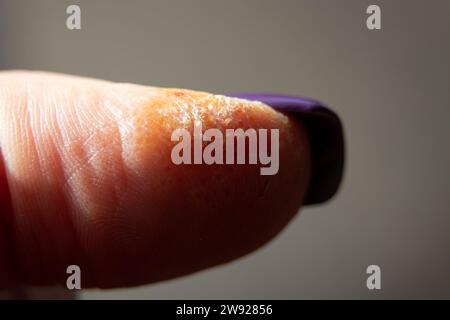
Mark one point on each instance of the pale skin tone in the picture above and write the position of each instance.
(86, 178)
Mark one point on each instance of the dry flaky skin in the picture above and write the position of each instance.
(92, 183)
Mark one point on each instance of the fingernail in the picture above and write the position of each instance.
(326, 140)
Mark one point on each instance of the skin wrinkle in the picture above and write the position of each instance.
(95, 132)
(67, 194)
(117, 193)
(40, 224)
(30, 119)
(30, 140)
(48, 141)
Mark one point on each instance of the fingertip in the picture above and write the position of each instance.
(112, 200)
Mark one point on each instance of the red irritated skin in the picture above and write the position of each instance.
(91, 182)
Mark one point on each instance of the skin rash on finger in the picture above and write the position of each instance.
(98, 187)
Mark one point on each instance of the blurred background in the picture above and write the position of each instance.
(391, 88)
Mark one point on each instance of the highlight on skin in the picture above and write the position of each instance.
(90, 182)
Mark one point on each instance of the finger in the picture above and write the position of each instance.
(92, 183)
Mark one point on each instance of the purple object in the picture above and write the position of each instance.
(326, 138)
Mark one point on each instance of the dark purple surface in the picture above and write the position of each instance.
(326, 140)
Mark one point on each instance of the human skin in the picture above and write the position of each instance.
(86, 178)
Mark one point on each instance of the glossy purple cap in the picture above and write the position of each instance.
(326, 139)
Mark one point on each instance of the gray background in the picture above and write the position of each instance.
(390, 87)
